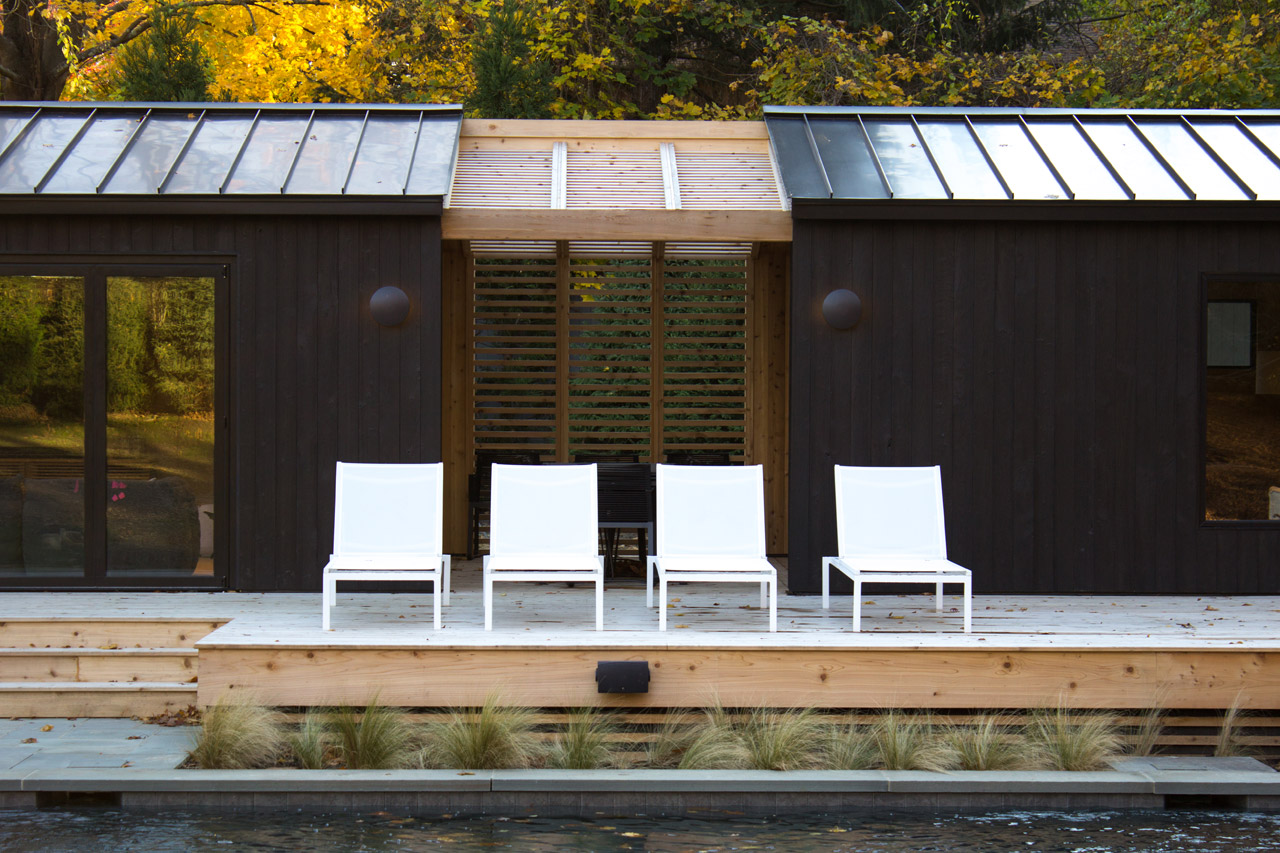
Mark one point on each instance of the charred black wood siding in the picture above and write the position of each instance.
(314, 378)
(1052, 368)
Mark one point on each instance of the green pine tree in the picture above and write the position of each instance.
(510, 83)
(167, 63)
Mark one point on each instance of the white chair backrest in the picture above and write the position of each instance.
(710, 510)
(890, 512)
(543, 509)
(388, 509)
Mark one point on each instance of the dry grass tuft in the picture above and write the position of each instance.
(782, 740)
(988, 744)
(312, 741)
(850, 746)
(1082, 742)
(908, 742)
(237, 733)
(1229, 743)
(585, 743)
(375, 738)
(671, 741)
(491, 737)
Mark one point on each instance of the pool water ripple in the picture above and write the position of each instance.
(108, 830)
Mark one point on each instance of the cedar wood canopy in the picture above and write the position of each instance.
(1032, 286)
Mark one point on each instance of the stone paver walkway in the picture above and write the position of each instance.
(54, 744)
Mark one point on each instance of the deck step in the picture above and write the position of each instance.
(102, 665)
(94, 698)
(76, 632)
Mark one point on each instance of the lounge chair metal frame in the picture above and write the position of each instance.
(695, 544)
(404, 546)
(883, 549)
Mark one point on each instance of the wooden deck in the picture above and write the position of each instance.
(1025, 651)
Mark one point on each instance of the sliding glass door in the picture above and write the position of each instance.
(110, 436)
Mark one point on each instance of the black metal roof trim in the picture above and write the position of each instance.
(816, 210)
(64, 149)
(224, 205)
(1027, 155)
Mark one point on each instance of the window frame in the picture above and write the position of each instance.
(95, 270)
(1202, 398)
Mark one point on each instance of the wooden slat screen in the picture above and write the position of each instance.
(704, 377)
(563, 357)
(513, 353)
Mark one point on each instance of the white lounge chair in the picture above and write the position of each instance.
(711, 528)
(542, 527)
(388, 522)
(890, 529)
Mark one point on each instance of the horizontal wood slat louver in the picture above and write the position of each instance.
(611, 388)
(602, 180)
(514, 345)
(502, 179)
(715, 180)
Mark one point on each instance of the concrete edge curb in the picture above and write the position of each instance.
(703, 782)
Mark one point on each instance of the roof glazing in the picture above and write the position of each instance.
(227, 149)
(1011, 154)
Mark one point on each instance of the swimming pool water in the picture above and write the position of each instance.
(107, 830)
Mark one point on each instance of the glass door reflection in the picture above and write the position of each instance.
(160, 426)
(42, 427)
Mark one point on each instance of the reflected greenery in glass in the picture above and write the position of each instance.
(41, 425)
(160, 387)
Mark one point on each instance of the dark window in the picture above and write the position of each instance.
(107, 426)
(1242, 400)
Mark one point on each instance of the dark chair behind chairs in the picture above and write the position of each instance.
(480, 485)
(625, 497)
(699, 457)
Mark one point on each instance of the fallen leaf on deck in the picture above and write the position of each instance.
(46, 729)
(1211, 607)
(30, 740)
(682, 626)
(109, 646)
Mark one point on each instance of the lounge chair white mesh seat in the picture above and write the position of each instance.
(388, 523)
(890, 529)
(542, 527)
(710, 524)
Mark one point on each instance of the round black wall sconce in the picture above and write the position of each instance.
(389, 305)
(842, 309)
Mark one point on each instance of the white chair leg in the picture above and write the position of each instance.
(773, 606)
(857, 605)
(826, 583)
(938, 598)
(662, 602)
(324, 602)
(764, 593)
(488, 597)
(968, 609)
(648, 581)
(435, 603)
(600, 597)
(447, 559)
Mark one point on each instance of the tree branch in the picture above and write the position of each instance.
(143, 23)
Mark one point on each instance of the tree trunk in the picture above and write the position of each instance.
(32, 67)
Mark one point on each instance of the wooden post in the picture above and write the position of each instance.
(562, 351)
(657, 269)
(457, 360)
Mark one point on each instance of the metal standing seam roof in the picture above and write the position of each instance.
(855, 153)
(242, 150)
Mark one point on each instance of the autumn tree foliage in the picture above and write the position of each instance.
(671, 58)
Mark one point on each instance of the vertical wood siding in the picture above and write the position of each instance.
(1053, 370)
(314, 378)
